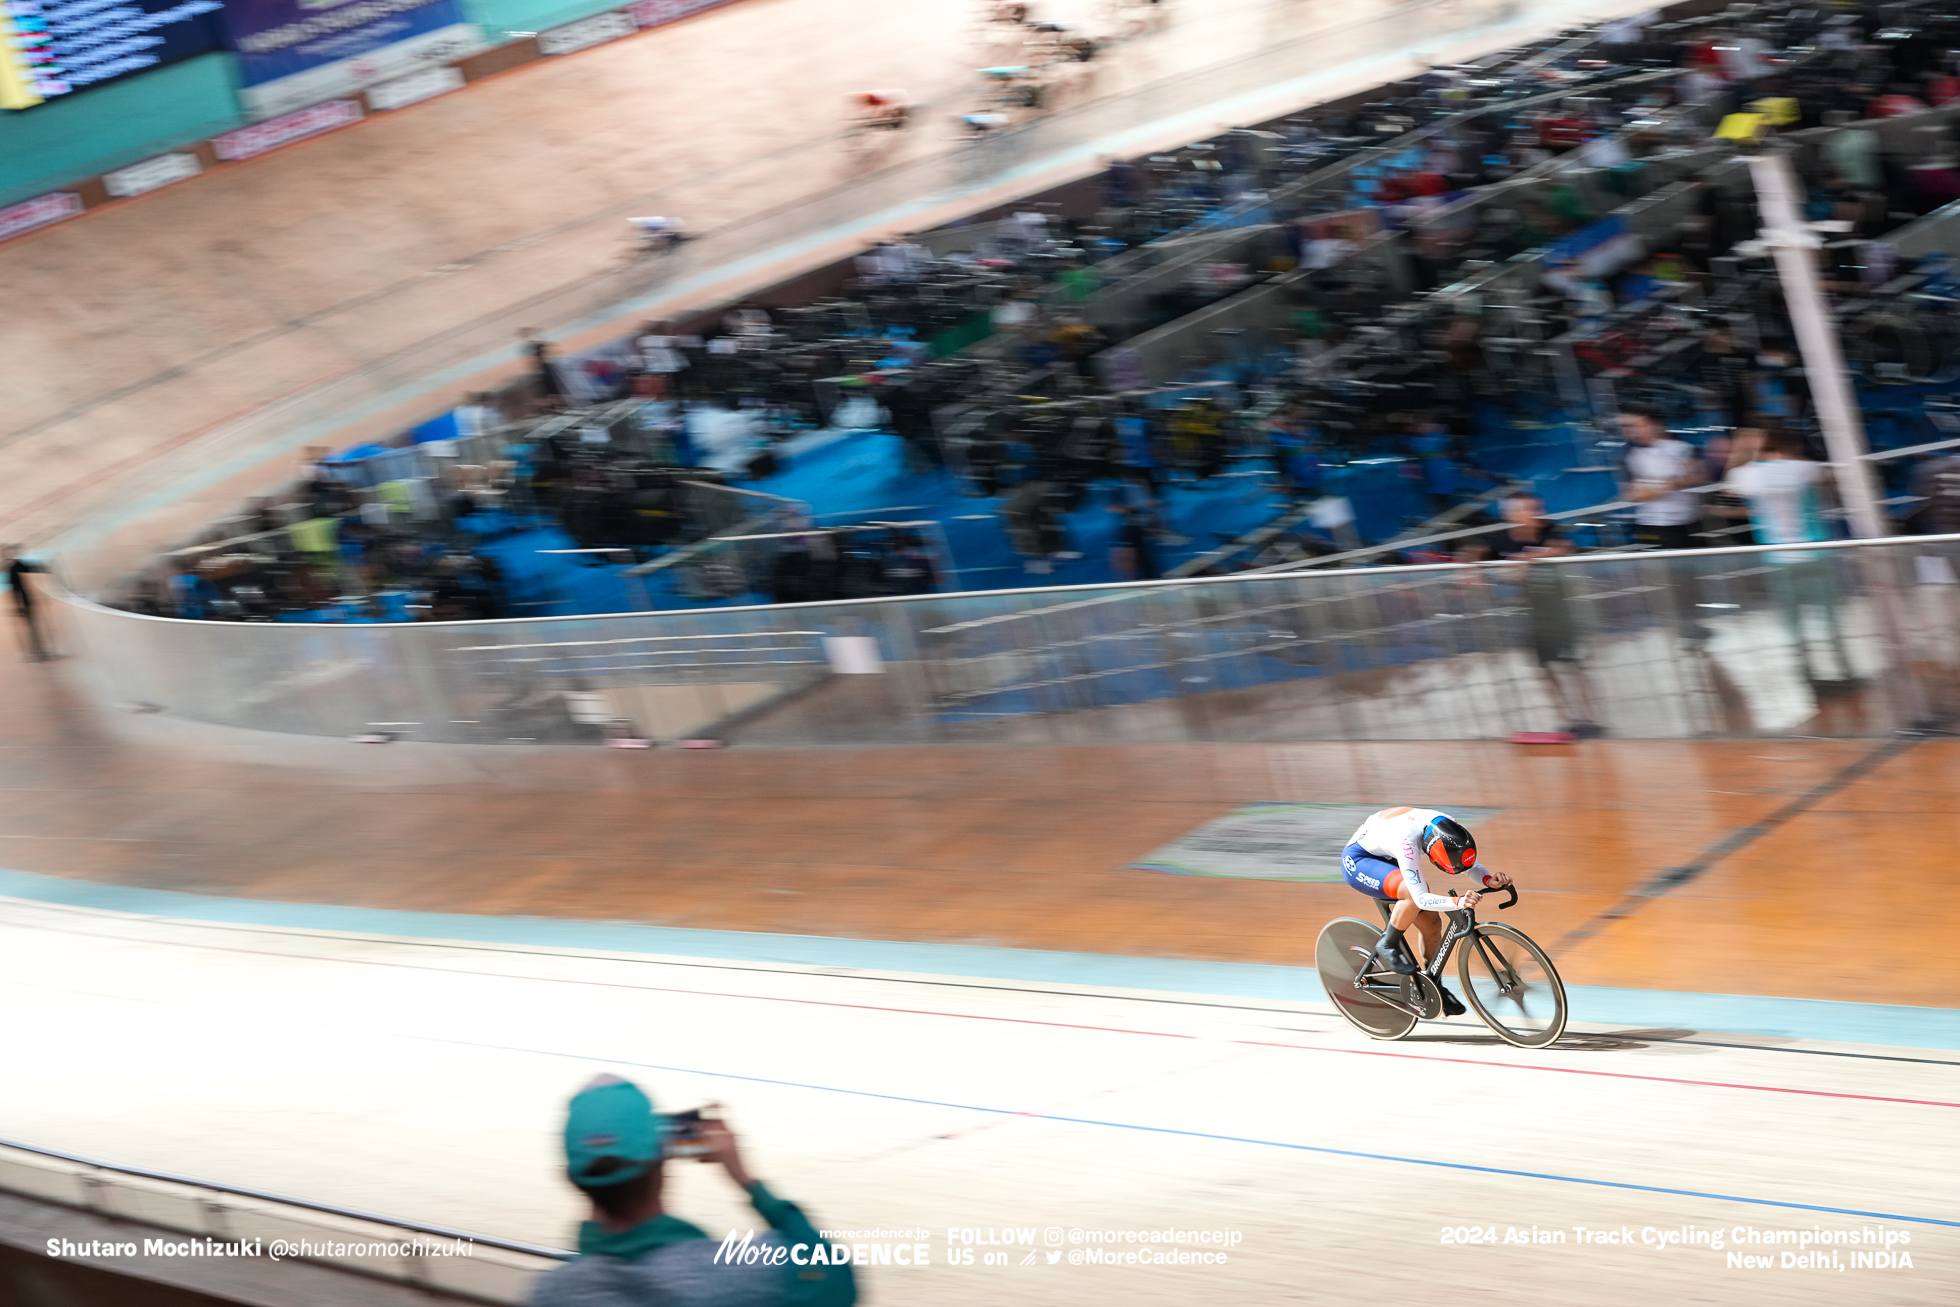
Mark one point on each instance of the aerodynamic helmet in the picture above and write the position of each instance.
(1449, 845)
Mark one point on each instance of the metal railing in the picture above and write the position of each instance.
(420, 1253)
(1849, 637)
(658, 676)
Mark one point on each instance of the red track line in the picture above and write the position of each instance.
(616, 984)
(1030, 1021)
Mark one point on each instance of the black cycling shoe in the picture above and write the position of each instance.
(1393, 957)
(1452, 1006)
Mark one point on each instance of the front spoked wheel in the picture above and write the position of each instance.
(1342, 954)
(1513, 986)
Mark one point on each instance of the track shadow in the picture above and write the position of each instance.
(1618, 1041)
(1614, 1041)
(1599, 1044)
(1438, 1032)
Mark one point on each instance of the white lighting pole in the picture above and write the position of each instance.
(1830, 387)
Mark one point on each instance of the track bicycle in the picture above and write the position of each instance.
(655, 236)
(1008, 87)
(1507, 979)
(878, 116)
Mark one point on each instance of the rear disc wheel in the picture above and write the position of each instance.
(1341, 954)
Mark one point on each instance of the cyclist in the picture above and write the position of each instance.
(881, 110)
(658, 234)
(1384, 860)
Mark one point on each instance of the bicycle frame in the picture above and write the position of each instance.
(1462, 923)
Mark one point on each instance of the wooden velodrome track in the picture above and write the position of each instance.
(1027, 848)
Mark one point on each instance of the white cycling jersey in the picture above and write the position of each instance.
(1392, 834)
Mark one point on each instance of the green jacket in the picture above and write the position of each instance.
(804, 1286)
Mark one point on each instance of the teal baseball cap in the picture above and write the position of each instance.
(610, 1118)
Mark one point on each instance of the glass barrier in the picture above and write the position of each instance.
(1853, 638)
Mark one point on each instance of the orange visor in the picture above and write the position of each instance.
(1439, 854)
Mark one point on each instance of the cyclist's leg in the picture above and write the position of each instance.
(1381, 879)
(1427, 925)
(1367, 873)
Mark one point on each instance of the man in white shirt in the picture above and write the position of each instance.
(1626, 31)
(1027, 228)
(1012, 313)
(909, 257)
(478, 416)
(1324, 253)
(1699, 86)
(1782, 487)
(1659, 471)
(1785, 493)
(1745, 58)
(881, 265)
(660, 349)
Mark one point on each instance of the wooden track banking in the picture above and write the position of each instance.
(1028, 848)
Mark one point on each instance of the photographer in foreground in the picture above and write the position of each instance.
(632, 1253)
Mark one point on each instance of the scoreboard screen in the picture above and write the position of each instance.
(54, 48)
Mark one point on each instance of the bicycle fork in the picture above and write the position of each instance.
(1500, 967)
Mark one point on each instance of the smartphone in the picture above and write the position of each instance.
(682, 1137)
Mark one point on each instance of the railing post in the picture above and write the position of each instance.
(1837, 408)
(95, 1194)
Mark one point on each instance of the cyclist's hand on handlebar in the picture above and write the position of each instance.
(1468, 901)
(1495, 879)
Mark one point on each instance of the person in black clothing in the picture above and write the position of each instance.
(909, 401)
(1724, 371)
(1935, 489)
(17, 571)
(909, 568)
(1132, 553)
(550, 393)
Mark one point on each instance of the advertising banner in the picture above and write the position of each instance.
(151, 174)
(297, 52)
(586, 33)
(38, 212)
(652, 13)
(437, 79)
(260, 137)
(613, 24)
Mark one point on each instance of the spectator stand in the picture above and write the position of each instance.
(801, 405)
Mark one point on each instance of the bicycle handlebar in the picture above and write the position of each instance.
(1512, 890)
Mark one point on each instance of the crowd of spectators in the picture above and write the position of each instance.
(985, 358)
(327, 550)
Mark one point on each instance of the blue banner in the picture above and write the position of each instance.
(278, 38)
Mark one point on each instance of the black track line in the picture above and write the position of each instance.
(1741, 837)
